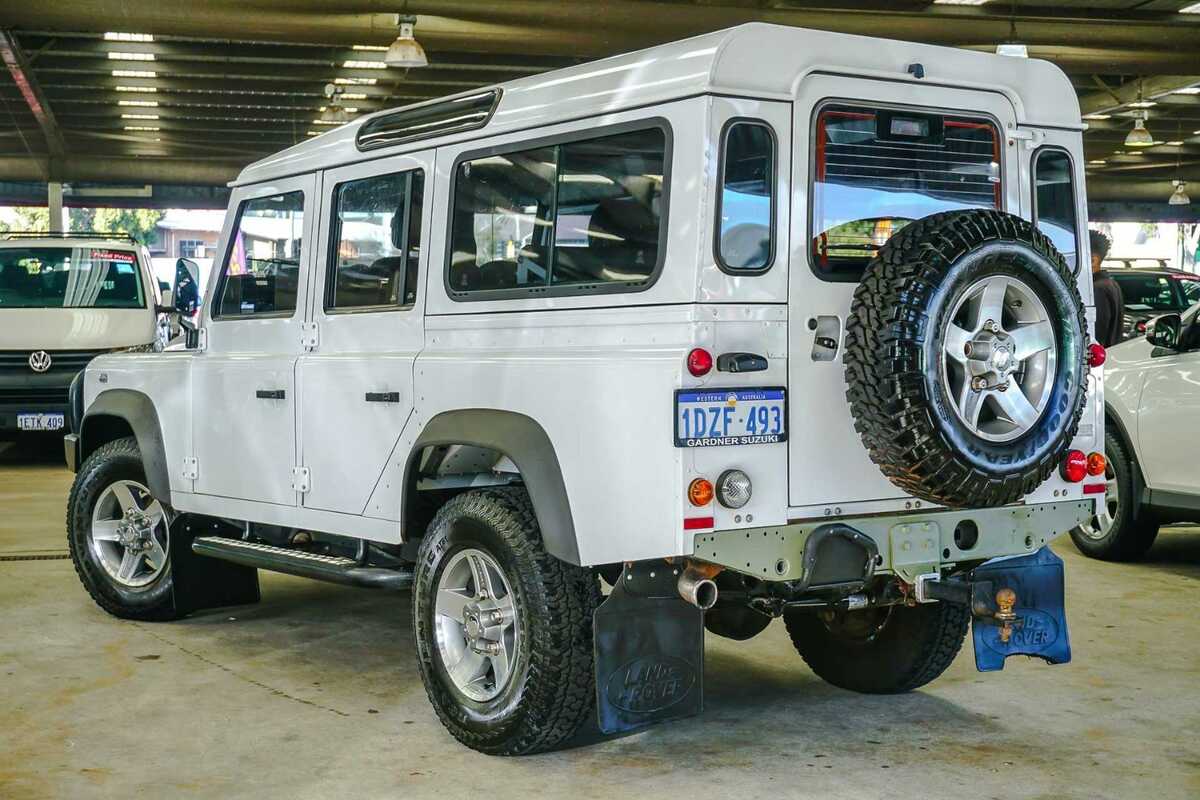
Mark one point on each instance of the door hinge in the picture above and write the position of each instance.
(300, 479)
(202, 339)
(309, 335)
(191, 469)
(1031, 138)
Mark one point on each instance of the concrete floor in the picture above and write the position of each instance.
(314, 694)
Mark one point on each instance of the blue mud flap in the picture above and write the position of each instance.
(649, 652)
(1040, 625)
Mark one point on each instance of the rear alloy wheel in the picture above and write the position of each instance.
(1113, 534)
(503, 629)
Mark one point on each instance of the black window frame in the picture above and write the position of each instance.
(1033, 198)
(335, 240)
(858, 102)
(566, 290)
(223, 276)
(773, 227)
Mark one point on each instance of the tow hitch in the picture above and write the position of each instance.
(1016, 607)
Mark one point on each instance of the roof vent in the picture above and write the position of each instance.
(427, 120)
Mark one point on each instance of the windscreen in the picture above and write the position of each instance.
(69, 277)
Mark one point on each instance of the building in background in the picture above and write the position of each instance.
(187, 233)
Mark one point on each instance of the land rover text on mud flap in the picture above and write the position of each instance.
(766, 323)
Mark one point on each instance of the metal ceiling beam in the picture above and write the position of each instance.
(117, 170)
(600, 27)
(1114, 97)
(18, 66)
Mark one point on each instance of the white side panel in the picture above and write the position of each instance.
(166, 379)
(1170, 407)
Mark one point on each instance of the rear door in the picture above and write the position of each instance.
(356, 385)
(869, 157)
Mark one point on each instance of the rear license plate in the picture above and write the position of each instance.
(716, 417)
(41, 422)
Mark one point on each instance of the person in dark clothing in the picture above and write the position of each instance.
(1110, 304)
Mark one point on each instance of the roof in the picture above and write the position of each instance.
(756, 59)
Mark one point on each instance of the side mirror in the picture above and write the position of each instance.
(1164, 331)
(187, 288)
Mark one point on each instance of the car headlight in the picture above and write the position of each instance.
(734, 488)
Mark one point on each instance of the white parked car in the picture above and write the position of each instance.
(1152, 402)
(753, 325)
(65, 299)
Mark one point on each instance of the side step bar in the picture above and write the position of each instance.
(336, 569)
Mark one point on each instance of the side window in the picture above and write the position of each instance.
(376, 242)
(578, 216)
(1054, 201)
(875, 170)
(746, 203)
(261, 272)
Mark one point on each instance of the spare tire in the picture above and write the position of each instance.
(964, 358)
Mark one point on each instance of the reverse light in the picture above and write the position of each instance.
(1096, 464)
(699, 362)
(734, 488)
(700, 492)
(1097, 355)
(1074, 466)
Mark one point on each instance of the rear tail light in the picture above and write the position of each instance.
(1096, 464)
(700, 492)
(699, 362)
(1097, 355)
(1074, 466)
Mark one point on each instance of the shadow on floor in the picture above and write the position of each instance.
(32, 448)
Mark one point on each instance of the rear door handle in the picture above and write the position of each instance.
(741, 362)
(383, 397)
(270, 394)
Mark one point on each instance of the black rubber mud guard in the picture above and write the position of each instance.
(649, 647)
(200, 582)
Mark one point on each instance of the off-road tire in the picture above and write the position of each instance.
(1128, 538)
(914, 646)
(893, 343)
(117, 460)
(553, 692)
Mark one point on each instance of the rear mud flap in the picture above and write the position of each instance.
(649, 651)
(1017, 603)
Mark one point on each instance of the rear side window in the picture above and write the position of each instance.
(376, 242)
(1054, 201)
(572, 217)
(261, 272)
(745, 205)
(875, 170)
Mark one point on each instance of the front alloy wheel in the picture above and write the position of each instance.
(129, 534)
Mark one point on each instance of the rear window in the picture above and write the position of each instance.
(570, 217)
(875, 170)
(69, 277)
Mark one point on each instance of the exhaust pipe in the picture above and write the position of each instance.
(696, 585)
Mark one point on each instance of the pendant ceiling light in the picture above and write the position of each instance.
(1179, 197)
(406, 51)
(1140, 135)
(1012, 47)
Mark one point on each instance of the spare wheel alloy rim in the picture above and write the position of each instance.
(999, 357)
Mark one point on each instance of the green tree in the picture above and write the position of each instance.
(141, 223)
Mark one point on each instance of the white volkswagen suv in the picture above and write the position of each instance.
(65, 299)
(767, 323)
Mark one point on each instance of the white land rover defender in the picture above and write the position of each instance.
(768, 322)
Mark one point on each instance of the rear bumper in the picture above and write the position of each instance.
(908, 545)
